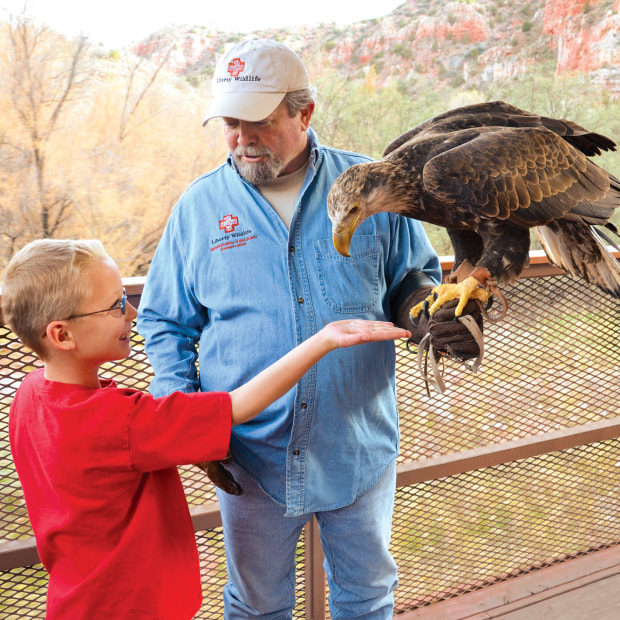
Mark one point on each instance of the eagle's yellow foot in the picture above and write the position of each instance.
(470, 288)
(414, 312)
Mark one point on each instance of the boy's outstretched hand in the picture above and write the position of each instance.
(358, 331)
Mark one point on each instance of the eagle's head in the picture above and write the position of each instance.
(359, 192)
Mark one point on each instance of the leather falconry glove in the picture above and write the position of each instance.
(448, 336)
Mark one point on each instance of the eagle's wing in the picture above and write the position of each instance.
(502, 114)
(588, 142)
(530, 175)
(488, 114)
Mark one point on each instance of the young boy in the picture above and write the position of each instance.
(97, 463)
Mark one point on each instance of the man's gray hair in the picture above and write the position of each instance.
(297, 100)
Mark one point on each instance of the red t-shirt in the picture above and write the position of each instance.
(104, 497)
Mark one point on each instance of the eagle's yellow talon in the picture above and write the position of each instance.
(481, 294)
(415, 311)
(469, 288)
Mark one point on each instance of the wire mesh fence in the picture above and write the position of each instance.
(465, 532)
(551, 364)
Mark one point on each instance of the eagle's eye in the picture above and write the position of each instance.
(354, 209)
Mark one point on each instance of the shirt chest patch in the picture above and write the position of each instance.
(232, 235)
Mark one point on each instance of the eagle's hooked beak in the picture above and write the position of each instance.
(342, 240)
(342, 233)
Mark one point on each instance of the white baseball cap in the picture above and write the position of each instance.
(252, 78)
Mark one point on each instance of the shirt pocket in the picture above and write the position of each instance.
(349, 284)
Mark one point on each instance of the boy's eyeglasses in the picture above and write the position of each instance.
(114, 309)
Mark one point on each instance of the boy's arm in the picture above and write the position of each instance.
(249, 399)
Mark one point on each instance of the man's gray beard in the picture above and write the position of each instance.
(263, 173)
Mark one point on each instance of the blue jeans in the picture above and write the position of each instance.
(261, 546)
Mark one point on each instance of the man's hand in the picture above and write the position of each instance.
(220, 476)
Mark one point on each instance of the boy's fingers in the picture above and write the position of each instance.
(387, 331)
(366, 330)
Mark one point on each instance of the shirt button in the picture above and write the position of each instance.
(291, 248)
(304, 405)
(296, 452)
(300, 300)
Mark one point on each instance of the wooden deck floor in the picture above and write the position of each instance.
(586, 588)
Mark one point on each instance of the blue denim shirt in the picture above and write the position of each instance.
(229, 277)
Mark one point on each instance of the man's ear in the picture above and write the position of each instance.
(59, 335)
(306, 115)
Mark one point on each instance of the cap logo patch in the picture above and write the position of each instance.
(235, 67)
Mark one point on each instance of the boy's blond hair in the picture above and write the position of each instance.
(46, 281)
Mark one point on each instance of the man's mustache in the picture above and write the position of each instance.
(252, 151)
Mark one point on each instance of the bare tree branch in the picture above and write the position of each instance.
(128, 112)
(41, 74)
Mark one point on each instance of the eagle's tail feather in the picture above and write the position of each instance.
(607, 238)
(579, 249)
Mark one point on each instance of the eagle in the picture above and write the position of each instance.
(488, 173)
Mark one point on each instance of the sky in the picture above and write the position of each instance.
(118, 23)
